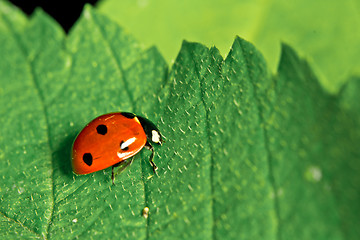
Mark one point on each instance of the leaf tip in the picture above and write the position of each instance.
(288, 55)
(348, 94)
(240, 41)
(40, 16)
(87, 10)
(38, 12)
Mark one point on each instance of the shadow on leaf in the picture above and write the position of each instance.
(62, 157)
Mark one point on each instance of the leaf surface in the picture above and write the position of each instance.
(247, 155)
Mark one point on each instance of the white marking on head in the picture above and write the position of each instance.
(127, 143)
(155, 136)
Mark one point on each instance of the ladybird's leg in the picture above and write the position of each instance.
(149, 147)
(122, 166)
(112, 172)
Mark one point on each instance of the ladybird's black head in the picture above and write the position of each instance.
(128, 115)
(151, 131)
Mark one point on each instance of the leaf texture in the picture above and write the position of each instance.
(247, 155)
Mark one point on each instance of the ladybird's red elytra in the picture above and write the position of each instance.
(112, 140)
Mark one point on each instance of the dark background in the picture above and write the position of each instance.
(64, 12)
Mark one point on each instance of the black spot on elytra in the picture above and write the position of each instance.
(128, 115)
(124, 149)
(101, 129)
(88, 159)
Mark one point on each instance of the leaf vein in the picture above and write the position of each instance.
(207, 122)
(73, 192)
(20, 224)
(38, 91)
(265, 137)
(131, 98)
(117, 62)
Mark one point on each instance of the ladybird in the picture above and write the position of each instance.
(112, 140)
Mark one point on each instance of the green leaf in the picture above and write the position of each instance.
(13, 15)
(319, 29)
(25, 155)
(247, 155)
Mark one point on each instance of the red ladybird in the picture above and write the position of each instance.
(112, 140)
